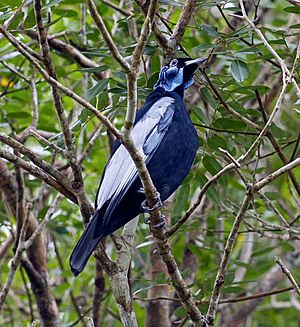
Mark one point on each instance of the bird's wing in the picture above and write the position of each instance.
(147, 134)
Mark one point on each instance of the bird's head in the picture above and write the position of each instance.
(178, 75)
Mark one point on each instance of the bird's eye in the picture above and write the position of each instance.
(174, 62)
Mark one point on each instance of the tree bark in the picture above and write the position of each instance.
(157, 311)
(36, 266)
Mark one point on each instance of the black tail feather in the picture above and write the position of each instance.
(86, 244)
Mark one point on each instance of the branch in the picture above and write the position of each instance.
(52, 209)
(132, 75)
(35, 103)
(265, 181)
(285, 71)
(121, 10)
(145, 32)
(288, 274)
(220, 277)
(16, 259)
(72, 297)
(119, 281)
(263, 286)
(194, 206)
(37, 172)
(77, 184)
(4, 247)
(47, 168)
(106, 36)
(44, 141)
(225, 300)
(69, 51)
(17, 44)
(160, 36)
(184, 18)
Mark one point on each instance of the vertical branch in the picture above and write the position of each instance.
(158, 312)
(183, 20)
(119, 280)
(99, 289)
(220, 277)
(77, 184)
(35, 103)
(16, 259)
(37, 258)
(136, 61)
(106, 36)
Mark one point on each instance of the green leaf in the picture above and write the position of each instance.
(198, 112)
(239, 70)
(293, 9)
(211, 192)
(210, 30)
(273, 195)
(94, 69)
(213, 167)
(215, 142)
(18, 115)
(244, 265)
(263, 251)
(230, 124)
(208, 97)
(181, 200)
(229, 277)
(66, 13)
(152, 80)
(278, 132)
(232, 289)
(10, 3)
(97, 88)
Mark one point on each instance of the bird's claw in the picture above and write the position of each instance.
(205, 321)
(158, 205)
(160, 225)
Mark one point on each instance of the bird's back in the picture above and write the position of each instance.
(175, 155)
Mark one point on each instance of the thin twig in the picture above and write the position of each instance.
(37, 172)
(49, 169)
(35, 103)
(288, 274)
(225, 300)
(16, 259)
(50, 212)
(77, 184)
(44, 141)
(220, 277)
(106, 36)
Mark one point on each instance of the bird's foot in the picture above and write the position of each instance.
(158, 205)
(205, 321)
(161, 224)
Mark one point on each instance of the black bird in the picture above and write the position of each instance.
(167, 140)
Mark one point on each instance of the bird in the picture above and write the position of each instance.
(167, 140)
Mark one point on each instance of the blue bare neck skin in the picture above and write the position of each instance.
(172, 79)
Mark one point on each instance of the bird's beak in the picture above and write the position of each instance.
(197, 61)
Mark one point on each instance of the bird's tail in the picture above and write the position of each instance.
(86, 244)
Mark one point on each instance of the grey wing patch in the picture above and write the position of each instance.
(154, 139)
(120, 171)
